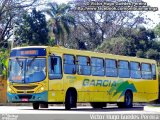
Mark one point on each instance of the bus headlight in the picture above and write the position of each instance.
(42, 88)
(9, 89)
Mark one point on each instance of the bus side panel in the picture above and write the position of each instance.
(81, 87)
(139, 94)
(151, 90)
(117, 94)
(97, 88)
(55, 96)
(56, 90)
(81, 97)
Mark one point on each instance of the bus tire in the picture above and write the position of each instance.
(98, 104)
(128, 100)
(70, 100)
(35, 106)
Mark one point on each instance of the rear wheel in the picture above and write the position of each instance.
(98, 104)
(35, 106)
(71, 100)
(128, 100)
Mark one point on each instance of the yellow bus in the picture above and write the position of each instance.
(44, 75)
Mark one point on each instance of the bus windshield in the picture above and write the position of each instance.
(27, 70)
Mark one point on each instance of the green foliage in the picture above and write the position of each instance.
(140, 54)
(32, 29)
(141, 43)
(60, 21)
(157, 30)
(10, 12)
(153, 54)
(4, 53)
(115, 45)
(51, 41)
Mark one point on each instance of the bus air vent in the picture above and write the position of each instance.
(25, 87)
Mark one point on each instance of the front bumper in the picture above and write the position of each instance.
(36, 97)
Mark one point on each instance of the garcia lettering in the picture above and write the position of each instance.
(103, 83)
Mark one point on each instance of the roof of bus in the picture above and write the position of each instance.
(29, 47)
(98, 54)
(60, 49)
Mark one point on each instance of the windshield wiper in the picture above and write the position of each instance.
(31, 61)
(21, 66)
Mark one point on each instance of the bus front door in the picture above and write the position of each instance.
(56, 90)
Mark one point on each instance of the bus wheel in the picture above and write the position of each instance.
(70, 100)
(36, 106)
(98, 104)
(128, 99)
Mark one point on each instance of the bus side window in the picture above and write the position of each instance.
(123, 69)
(111, 68)
(69, 64)
(97, 66)
(55, 68)
(135, 71)
(146, 71)
(153, 72)
(83, 65)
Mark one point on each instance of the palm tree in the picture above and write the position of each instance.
(61, 20)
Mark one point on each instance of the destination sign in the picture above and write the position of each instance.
(28, 52)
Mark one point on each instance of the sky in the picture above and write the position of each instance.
(154, 16)
(61, 1)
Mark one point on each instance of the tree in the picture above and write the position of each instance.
(61, 20)
(103, 25)
(141, 43)
(10, 10)
(32, 30)
(4, 62)
(117, 45)
(157, 30)
(140, 54)
(153, 54)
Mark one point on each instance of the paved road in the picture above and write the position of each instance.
(80, 113)
(79, 110)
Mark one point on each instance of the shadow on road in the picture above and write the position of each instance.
(109, 109)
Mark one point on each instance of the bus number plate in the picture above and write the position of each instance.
(25, 99)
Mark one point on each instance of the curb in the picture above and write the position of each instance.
(152, 108)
